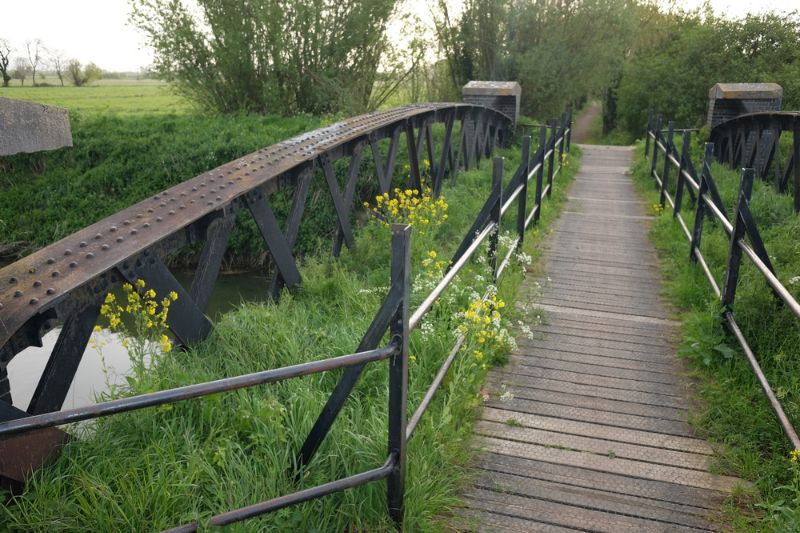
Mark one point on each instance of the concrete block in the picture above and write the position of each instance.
(27, 127)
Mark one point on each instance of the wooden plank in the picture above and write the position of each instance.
(625, 467)
(635, 436)
(606, 448)
(592, 498)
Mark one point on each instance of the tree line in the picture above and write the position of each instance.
(35, 58)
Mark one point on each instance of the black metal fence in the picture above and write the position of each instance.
(393, 316)
(745, 239)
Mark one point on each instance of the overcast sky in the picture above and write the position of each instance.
(98, 30)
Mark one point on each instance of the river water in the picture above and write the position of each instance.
(109, 365)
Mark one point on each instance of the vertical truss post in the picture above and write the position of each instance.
(540, 172)
(398, 372)
(552, 147)
(700, 211)
(687, 139)
(662, 198)
(413, 157)
(208, 266)
(56, 379)
(497, 195)
(656, 135)
(735, 252)
(349, 193)
(293, 222)
(522, 198)
(446, 150)
(647, 133)
(431, 153)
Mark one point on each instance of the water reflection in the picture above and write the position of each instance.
(101, 368)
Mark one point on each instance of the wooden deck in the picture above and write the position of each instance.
(586, 428)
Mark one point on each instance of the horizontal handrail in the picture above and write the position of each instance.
(132, 403)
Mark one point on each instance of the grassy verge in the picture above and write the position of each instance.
(160, 467)
(734, 412)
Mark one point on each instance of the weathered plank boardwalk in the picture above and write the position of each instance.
(586, 428)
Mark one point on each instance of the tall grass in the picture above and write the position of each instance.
(153, 469)
(734, 412)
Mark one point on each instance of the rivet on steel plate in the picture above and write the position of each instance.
(159, 219)
(146, 225)
(55, 274)
(90, 255)
(73, 264)
(120, 239)
(50, 260)
(104, 248)
(17, 294)
(83, 244)
(37, 283)
(67, 252)
(113, 229)
(172, 212)
(98, 236)
(134, 231)
(51, 290)
(34, 301)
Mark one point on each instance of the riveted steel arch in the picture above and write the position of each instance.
(66, 281)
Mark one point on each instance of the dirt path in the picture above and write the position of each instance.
(582, 128)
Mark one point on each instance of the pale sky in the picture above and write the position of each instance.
(98, 30)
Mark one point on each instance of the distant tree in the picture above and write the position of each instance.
(5, 61)
(83, 76)
(35, 50)
(58, 62)
(21, 70)
(279, 56)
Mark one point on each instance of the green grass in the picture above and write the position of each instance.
(117, 97)
(734, 412)
(156, 468)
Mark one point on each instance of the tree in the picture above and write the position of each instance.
(83, 76)
(35, 49)
(21, 70)
(284, 56)
(5, 61)
(58, 62)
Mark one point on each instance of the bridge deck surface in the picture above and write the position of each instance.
(586, 427)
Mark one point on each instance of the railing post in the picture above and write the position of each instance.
(796, 164)
(665, 174)
(656, 134)
(569, 130)
(540, 172)
(687, 139)
(522, 201)
(497, 194)
(398, 372)
(647, 133)
(700, 211)
(552, 145)
(561, 134)
(735, 252)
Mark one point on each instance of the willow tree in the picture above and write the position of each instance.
(268, 56)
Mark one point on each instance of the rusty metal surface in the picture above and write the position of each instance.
(43, 279)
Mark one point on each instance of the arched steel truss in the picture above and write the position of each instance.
(67, 281)
(753, 141)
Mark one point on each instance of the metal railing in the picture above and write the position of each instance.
(740, 230)
(393, 316)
